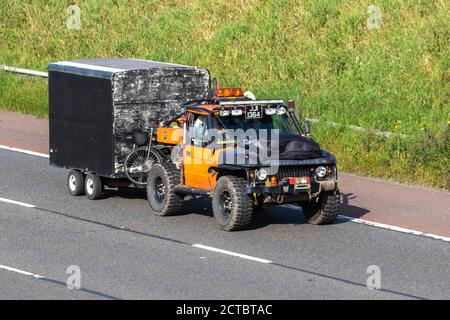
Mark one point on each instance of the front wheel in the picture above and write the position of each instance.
(323, 212)
(232, 207)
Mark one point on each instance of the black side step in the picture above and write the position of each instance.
(193, 191)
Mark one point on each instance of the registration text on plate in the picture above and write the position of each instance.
(253, 112)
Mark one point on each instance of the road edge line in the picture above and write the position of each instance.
(32, 153)
(394, 228)
(22, 204)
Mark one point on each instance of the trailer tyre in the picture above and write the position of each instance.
(93, 186)
(161, 195)
(232, 207)
(75, 182)
(325, 211)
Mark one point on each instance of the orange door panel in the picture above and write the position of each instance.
(197, 160)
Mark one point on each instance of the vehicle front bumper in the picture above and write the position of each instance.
(286, 188)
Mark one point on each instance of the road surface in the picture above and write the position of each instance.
(125, 252)
(377, 201)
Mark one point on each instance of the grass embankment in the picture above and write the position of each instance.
(320, 53)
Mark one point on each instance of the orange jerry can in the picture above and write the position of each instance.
(169, 135)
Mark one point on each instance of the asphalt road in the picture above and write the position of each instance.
(125, 252)
(419, 209)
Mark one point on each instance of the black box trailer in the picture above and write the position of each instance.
(97, 105)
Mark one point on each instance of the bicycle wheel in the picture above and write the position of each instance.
(137, 165)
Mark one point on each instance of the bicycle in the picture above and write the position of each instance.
(139, 161)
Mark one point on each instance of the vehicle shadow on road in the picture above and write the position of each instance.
(278, 215)
(292, 214)
(351, 210)
(125, 193)
(286, 214)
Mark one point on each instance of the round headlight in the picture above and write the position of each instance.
(321, 171)
(261, 174)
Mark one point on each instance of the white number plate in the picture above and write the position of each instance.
(253, 112)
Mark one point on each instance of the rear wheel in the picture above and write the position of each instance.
(323, 212)
(161, 195)
(93, 186)
(232, 207)
(75, 182)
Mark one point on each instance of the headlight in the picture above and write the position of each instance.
(261, 174)
(281, 110)
(321, 171)
(224, 113)
(236, 112)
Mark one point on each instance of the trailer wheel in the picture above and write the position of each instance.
(232, 207)
(93, 186)
(75, 182)
(161, 195)
(323, 212)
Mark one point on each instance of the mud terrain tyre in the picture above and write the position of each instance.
(232, 207)
(161, 182)
(323, 212)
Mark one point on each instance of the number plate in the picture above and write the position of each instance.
(253, 112)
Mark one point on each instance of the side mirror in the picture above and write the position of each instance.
(307, 127)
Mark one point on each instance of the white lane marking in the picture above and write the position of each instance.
(23, 204)
(33, 153)
(386, 226)
(230, 253)
(394, 228)
(25, 273)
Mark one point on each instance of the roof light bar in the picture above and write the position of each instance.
(230, 92)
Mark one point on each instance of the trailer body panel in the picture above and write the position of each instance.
(80, 134)
(97, 105)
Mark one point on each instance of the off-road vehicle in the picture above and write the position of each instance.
(166, 128)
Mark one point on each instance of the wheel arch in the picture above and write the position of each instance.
(230, 171)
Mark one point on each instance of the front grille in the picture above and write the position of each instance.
(286, 172)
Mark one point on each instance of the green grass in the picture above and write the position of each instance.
(318, 52)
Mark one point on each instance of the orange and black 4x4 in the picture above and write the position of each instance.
(162, 126)
(246, 155)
